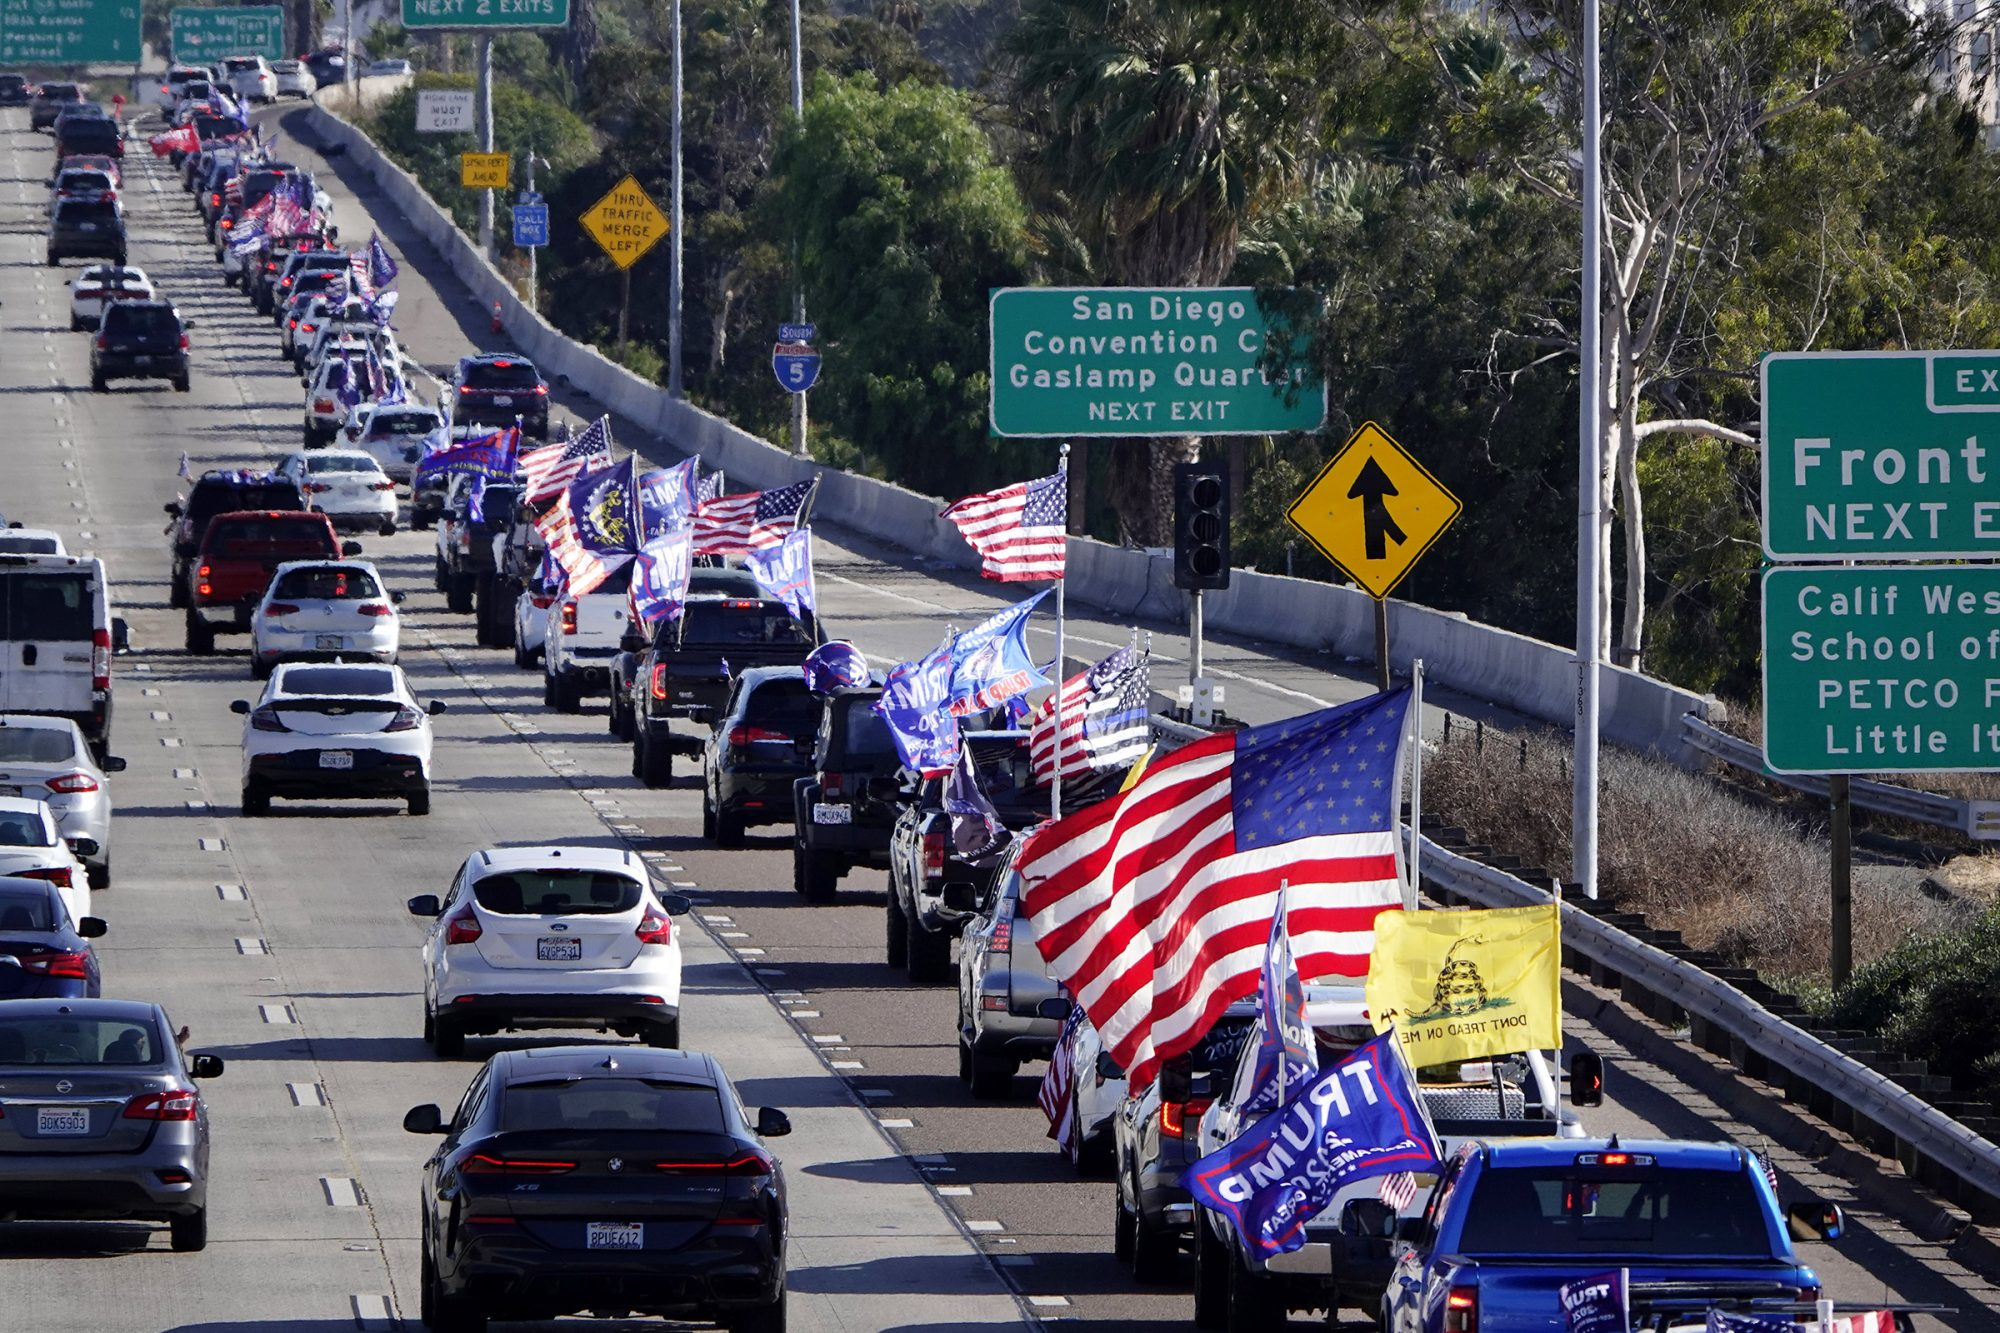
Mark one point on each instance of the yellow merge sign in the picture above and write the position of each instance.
(626, 223)
(1373, 510)
(482, 171)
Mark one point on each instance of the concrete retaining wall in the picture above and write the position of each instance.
(1510, 670)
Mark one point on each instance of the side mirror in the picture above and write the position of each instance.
(1107, 1067)
(399, 597)
(1057, 1008)
(187, 323)
(172, 507)
(961, 897)
(121, 635)
(1368, 1217)
(1408, 1228)
(91, 927)
(350, 548)
(425, 1119)
(676, 904)
(772, 1123)
(203, 1065)
(1586, 1079)
(240, 706)
(113, 763)
(1815, 1219)
(425, 904)
(436, 707)
(84, 846)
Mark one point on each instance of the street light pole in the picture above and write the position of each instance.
(485, 99)
(1590, 440)
(674, 224)
(799, 449)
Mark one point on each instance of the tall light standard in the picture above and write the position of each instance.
(799, 301)
(674, 225)
(1590, 439)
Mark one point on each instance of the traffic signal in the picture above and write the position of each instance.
(1201, 526)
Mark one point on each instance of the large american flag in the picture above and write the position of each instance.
(1104, 722)
(582, 568)
(1057, 1084)
(738, 524)
(1153, 908)
(1019, 530)
(547, 471)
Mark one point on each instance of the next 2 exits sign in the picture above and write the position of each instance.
(485, 13)
(1882, 455)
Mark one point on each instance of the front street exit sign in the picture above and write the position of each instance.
(1881, 455)
(1134, 361)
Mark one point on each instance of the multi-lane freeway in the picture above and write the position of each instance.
(284, 944)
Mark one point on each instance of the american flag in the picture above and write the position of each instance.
(1725, 1321)
(1398, 1191)
(547, 471)
(1019, 530)
(1059, 1081)
(1153, 908)
(232, 190)
(582, 567)
(738, 524)
(1104, 723)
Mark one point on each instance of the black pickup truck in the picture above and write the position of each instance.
(843, 814)
(687, 669)
(705, 583)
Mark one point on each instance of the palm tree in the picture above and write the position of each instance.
(1167, 125)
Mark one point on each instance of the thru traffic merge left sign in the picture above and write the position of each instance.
(1374, 510)
(482, 171)
(625, 223)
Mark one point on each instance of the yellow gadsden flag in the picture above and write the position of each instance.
(1465, 985)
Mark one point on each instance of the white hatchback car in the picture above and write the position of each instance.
(294, 79)
(395, 434)
(324, 611)
(100, 284)
(47, 759)
(531, 621)
(539, 937)
(32, 847)
(347, 485)
(336, 731)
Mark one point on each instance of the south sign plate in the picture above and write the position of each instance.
(1882, 669)
(625, 223)
(69, 32)
(485, 13)
(1881, 455)
(1125, 361)
(1374, 510)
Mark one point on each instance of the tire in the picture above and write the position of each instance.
(760, 1318)
(728, 830)
(993, 1076)
(1211, 1277)
(100, 874)
(189, 1231)
(439, 575)
(448, 1314)
(655, 762)
(1156, 1254)
(816, 877)
(896, 932)
(569, 699)
(928, 955)
(181, 384)
(256, 800)
(638, 761)
(259, 668)
(177, 595)
(614, 717)
(1093, 1156)
(1123, 1224)
(388, 528)
(523, 660)
(75, 324)
(548, 690)
(419, 800)
(53, 260)
(665, 1034)
(1253, 1300)
(458, 593)
(964, 1065)
(200, 634)
(98, 384)
(447, 1038)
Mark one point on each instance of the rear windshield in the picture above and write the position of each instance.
(84, 179)
(257, 184)
(100, 211)
(237, 64)
(1560, 1210)
(339, 681)
(86, 134)
(44, 608)
(215, 127)
(783, 705)
(13, 81)
(501, 375)
(77, 1039)
(210, 499)
(612, 1104)
(384, 424)
(863, 731)
(61, 92)
(240, 535)
(341, 463)
(130, 317)
(722, 582)
(316, 280)
(557, 892)
(332, 585)
(25, 909)
(725, 624)
(12, 544)
(23, 828)
(36, 745)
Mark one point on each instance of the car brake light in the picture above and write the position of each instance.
(569, 625)
(214, 199)
(375, 609)
(315, 487)
(100, 659)
(1176, 1116)
(934, 852)
(174, 1104)
(56, 875)
(103, 341)
(72, 784)
(381, 485)
(835, 784)
(749, 735)
(540, 600)
(463, 928)
(406, 719)
(1461, 1310)
(322, 404)
(184, 342)
(281, 609)
(1003, 927)
(749, 1164)
(75, 966)
(267, 719)
(658, 686)
(655, 929)
(541, 390)
(225, 224)
(479, 1164)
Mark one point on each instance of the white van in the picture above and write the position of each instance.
(57, 636)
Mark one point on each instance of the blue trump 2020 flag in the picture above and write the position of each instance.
(1358, 1119)
(1595, 1304)
(913, 703)
(785, 571)
(666, 498)
(490, 456)
(990, 662)
(660, 576)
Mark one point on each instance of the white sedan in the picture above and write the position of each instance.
(395, 434)
(32, 847)
(324, 611)
(98, 285)
(46, 759)
(539, 937)
(337, 731)
(294, 79)
(347, 485)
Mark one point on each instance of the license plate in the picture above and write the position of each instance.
(336, 759)
(86, 226)
(142, 360)
(325, 641)
(555, 949)
(51, 1120)
(614, 1236)
(503, 401)
(832, 814)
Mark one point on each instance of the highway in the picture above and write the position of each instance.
(284, 944)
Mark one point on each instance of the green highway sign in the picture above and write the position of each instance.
(203, 35)
(1122, 361)
(1881, 455)
(485, 13)
(69, 32)
(1882, 669)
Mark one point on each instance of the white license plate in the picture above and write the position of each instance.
(614, 1236)
(555, 949)
(832, 814)
(86, 226)
(502, 400)
(325, 641)
(142, 360)
(51, 1120)
(336, 759)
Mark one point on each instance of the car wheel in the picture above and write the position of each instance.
(664, 1034)
(447, 1038)
(448, 1314)
(53, 260)
(1123, 1223)
(993, 1076)
(98, 384)
(1156, 1253)
(1253, 1300)
(638, 760)
(100, 873)
(656, 762)
(189, 1231)
(896, 933)
(430, 1027)
(759, 1318)
(964, 1065)
(728, 830)
(458, 594)
(388, 528)
(614, 716)
(818, 876)
(200, 634)
(928, 953)
(438, 574)
(523, 660)
(75, 324)
(256, 799)
(259, 668)
(177, 595)
(1211, 1277)
(181, 384)
(420, 799)
(548, 690)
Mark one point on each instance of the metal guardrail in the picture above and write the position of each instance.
(1975, 819)
(1871, 1096)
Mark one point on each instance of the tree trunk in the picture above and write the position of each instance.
(1162, 455)
(441, 51)
(1625, 442)
(305, 25)
(1079, 488)
(578, 43)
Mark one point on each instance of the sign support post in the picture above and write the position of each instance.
(1589, 475)
(1840, 966)
(1201, 710)
(1416, 889)
(486, 139)
(674, 279)
(1382, 644)
(799, 449)
(624, 304)
(1055, 778)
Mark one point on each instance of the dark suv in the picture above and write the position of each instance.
(140, 340)
(494, 388)
(843, 814)
(15, 90)
(80, 133)
(219, 492)
(760, 747)
(86, 229)
(50, 101)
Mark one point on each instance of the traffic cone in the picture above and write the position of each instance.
(497, 327)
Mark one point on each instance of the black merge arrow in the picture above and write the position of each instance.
(1369, 488)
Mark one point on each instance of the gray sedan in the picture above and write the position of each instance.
(100, 1116)
(46, 759)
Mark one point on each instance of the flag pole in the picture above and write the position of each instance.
(1416, 783)
(1055, 781)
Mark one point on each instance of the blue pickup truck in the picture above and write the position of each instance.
(1510, 1221)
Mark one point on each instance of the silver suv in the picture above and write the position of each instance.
(1009, 1007)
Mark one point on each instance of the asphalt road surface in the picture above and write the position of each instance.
(283, 942)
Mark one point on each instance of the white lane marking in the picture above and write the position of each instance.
(848, 1064)
(954, 1191)
(155, 713)
(197, 805)
(248, 944)
(825, 1038)
(211, 844)
(340, 1191)
(713, 919)
(749, 953)
(730, 934)
(183, 773)
(1048, 1302)
(306, 1094)
(171, 742)
(984, 1226)
(149, 692)
(231, 893)
(371, 1314)
(278, 1015)
(896, 1122)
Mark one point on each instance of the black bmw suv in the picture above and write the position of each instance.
(140, 340)
(493, 388)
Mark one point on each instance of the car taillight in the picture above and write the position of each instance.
(463, 928)
(281, 609)
(184, 342)
(103, 341)
(375, 609)
(111, 196)
(540, 600)
(315, 487)
(655, 929)
(658, 686)
(479, 1164)
(541, 390)
(750, 1164)
(73, 965)
(569, 626)
(834, 784)
(381, 485)
(1003, 926)
(56, 875)
(934, 852)
(214, 199)
(322, 404)
(1176, 1117)
(225, 224)
(89, 291)
(1461, 1310)
(100, 659)
(749, 735)
(406, 719)
(267, 719)
(174, 1104)
(72, 784)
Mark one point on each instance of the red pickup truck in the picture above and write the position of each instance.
(239, 553)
